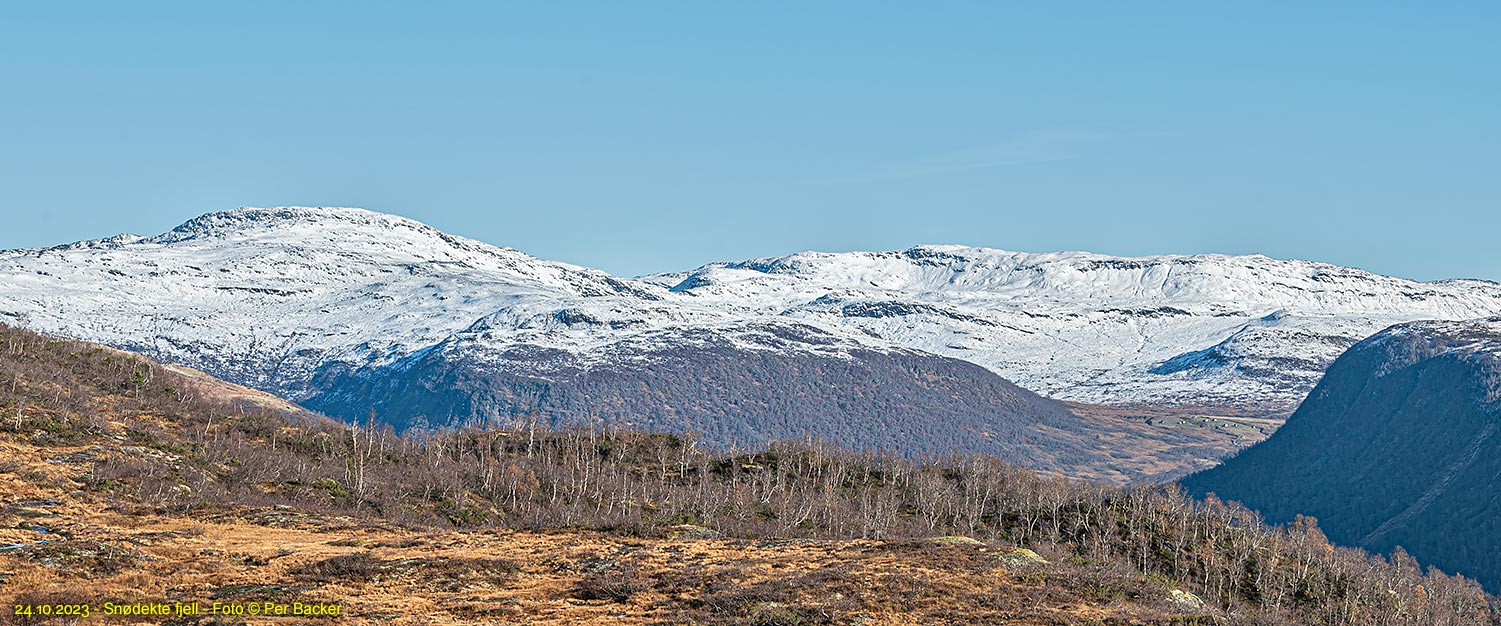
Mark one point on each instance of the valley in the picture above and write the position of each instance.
(1107, 372)
(129, 483)
(748, 314)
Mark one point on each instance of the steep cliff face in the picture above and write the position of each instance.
(1397, 446)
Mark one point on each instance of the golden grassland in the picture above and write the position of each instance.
(126, 482)
(98, 550)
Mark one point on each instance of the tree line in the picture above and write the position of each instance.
(224, 455)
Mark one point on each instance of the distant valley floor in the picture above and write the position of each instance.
(1162, 443)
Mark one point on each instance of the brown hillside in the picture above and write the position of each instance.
(126, 482)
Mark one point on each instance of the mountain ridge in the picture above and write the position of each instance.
(1395, 447)
(289, 299)
(1134, 327)
(1303, 312)
(127, 482)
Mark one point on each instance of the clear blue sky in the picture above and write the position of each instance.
(652, 136)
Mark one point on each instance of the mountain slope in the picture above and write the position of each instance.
(126, 482)
(1247, 332)
(708, 382)
(351, 310)
(1398, 445)
(264, 296)
(267, 296)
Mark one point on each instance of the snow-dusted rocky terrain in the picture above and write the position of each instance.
(271, 297)
(1228, 331)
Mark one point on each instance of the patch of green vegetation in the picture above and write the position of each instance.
(468, 517)
(334, 488)
(139, 436)
(176, 448)
(774, 614)
(102, 484)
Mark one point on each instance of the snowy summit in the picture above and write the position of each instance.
(269, 297)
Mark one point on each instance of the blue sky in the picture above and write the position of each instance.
(652, 136)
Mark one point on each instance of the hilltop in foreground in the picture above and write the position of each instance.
(126, 482)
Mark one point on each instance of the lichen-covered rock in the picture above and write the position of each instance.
(1022, 557)
(957, 540)
(1186, 600)
(692, 531)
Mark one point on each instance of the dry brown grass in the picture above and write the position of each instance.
(382, 574)
(147, 494)
(1168, 442)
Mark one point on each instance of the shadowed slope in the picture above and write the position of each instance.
(1397, 446)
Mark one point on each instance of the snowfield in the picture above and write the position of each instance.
(266, 297)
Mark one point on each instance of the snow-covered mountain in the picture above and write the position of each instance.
(272, 297)
(349, 311)
(1224, 331)
(266, 296)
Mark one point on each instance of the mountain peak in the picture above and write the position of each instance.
(246, 220)
(351, 231)
(316, 285)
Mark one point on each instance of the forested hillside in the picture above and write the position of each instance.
(1397, 446)
(909, 402)
(353, 508)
